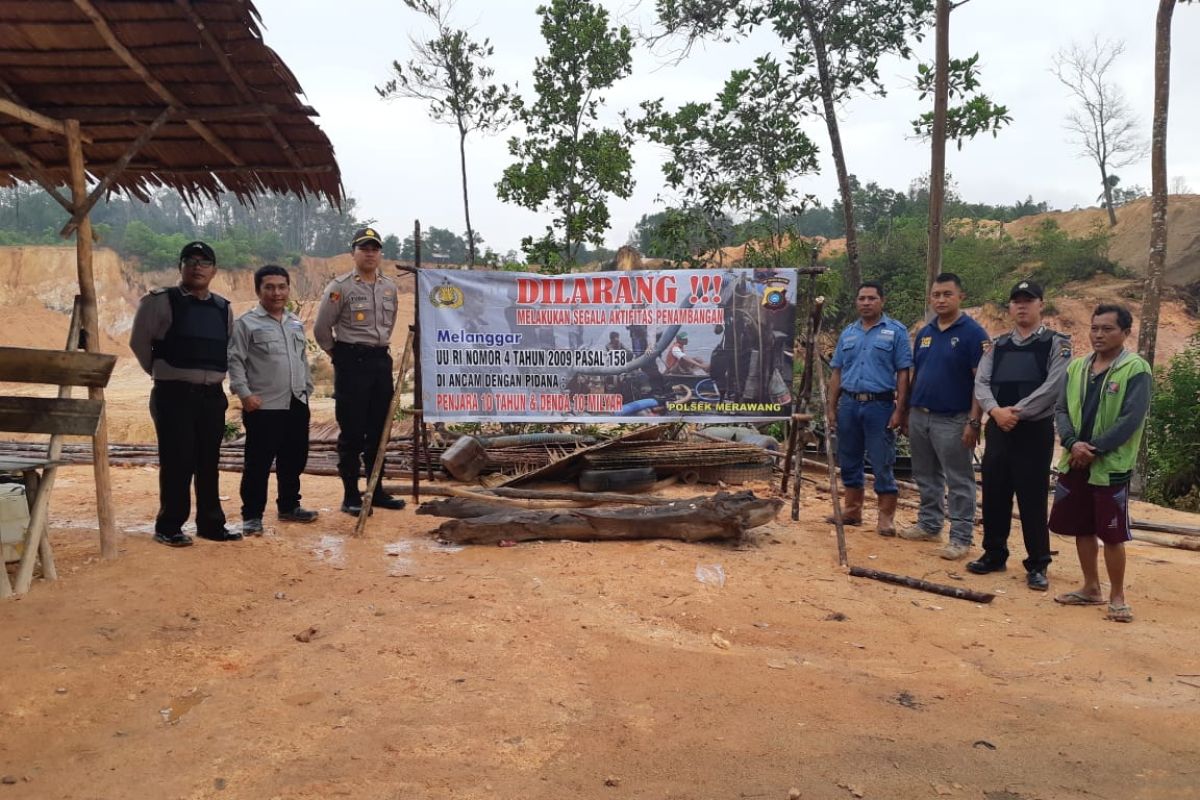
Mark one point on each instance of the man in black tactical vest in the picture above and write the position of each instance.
(1017, 383)
(181, 338)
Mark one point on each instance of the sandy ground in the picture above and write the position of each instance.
(555, 670)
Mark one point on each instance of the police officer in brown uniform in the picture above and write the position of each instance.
(180, 337)
(354, 326)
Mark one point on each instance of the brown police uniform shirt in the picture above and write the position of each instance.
(151, 323)
(353, 311)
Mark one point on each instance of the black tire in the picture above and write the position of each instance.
(617, 480)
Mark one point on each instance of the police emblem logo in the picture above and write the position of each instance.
(954, 341)
(371, 232)
(927, 341)
(775, 294)
(335, 297)
(447, 296)
(360, 316)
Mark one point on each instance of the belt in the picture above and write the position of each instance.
(360, 348)
(865, 397)
(938, 413)
(188, 386)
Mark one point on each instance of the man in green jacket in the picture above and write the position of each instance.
(1100, 417)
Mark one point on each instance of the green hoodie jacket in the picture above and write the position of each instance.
(1113, 464)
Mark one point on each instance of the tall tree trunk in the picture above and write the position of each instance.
(1152, 293)
(853, 271)
(1108, 201)
(462, 160)
(937, 164)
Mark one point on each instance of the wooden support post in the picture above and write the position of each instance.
(830, 449)
(419, 448)
(376, 474)
(90, 325)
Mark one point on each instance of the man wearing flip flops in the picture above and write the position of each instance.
(1100, 415)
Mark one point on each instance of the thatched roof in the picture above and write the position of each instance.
(215, 108)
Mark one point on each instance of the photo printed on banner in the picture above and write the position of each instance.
(695, 345)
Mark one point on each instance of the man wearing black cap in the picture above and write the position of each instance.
(354, 326)
(181, 337)
(1017, 383)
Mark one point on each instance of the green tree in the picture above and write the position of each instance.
(833, 53)
(391, 246)
(949, 79)
(449, 72)
(740, 154)
(566, 161)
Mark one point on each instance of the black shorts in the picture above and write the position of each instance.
(1081, 509)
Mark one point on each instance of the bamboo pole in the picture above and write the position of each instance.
(958, 592)
(376, 473)
(830, 449)
(90, 325)
(418, 386)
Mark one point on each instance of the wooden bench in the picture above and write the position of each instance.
(58, 416)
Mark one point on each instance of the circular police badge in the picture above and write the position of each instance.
(446, 296)
(775, 294)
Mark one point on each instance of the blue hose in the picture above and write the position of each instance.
(629, 409)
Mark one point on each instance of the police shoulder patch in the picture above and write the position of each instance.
(159, 290)
(335, 297)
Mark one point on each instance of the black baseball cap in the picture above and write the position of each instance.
(1027, 287)
(197, 250)
(366, 235)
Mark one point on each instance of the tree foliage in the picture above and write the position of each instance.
(833, 50)
(450, 73)
(741, 153)
(975, 112)
(567, 162)
(1173, 433)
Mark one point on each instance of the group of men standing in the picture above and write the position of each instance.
(938, 389)
(186, 338)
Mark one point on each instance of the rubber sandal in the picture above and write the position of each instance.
(1077, 599)
(1119, 613)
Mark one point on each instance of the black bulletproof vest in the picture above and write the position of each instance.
(1018, 370)
(199, 334)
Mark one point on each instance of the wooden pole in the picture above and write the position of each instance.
(830, 449)
(376, 474)
(90, 324)
(418, 386)
(925, 586)
(937, 143)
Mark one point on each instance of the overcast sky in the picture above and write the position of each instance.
(401, 166)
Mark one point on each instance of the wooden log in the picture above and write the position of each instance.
(1163, 527)
(583, 497)
(723, 517)
(959, 592)
(1177, 542)
(830, 449)
(464, 507)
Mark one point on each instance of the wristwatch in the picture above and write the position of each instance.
(974, 423)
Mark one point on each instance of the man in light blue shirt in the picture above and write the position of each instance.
(866, 396)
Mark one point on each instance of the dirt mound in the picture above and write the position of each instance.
(1130, 243)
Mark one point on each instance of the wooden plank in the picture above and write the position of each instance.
(58, 367)
(12, 464)
(50, 415)
(31, 117)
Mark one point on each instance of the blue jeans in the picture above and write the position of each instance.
(862, 427)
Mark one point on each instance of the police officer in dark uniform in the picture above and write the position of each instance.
(354, 326)
(180, 337)
(1017, 384)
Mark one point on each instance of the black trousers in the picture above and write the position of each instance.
(279, 437)
(362, 391)
(189, 421)
(1018, 462)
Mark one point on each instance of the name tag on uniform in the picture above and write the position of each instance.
(887, 333)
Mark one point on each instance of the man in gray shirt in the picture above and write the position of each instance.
(268, 370)
(1017, 384)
